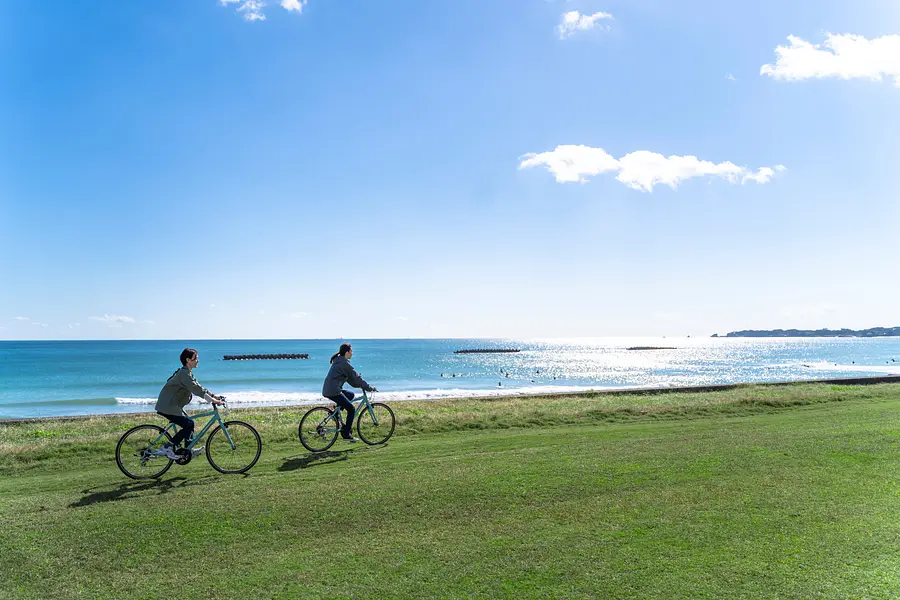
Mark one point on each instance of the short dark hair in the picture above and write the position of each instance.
(186, 354)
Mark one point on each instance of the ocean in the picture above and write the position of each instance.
(62, 378)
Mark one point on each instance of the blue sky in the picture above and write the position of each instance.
(173, 169)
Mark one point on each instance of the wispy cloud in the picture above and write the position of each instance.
(730, 77)
(22, 319)
(573, 21)
(112, 319)
(640, 170)
(40, 324)
(299, 315)
(252, 10)
(845, 56)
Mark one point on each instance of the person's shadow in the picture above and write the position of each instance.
(292, 463)
(137, 489)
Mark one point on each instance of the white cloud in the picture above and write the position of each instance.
(640, 170)
(845, 56)
(573, 21)
(113, 319)
(39, 324)
(401, 318)
(730, 77)
(252, 10)
(299, 315)
(572, 163)
(74, 325)
(290, 5)
(22, 319)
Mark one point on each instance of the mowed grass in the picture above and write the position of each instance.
(754, 492)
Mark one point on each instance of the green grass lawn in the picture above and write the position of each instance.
(756, 492)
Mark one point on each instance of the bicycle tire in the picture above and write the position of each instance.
(137, 443)
(247, 443)
(371, 433)
(317, 430)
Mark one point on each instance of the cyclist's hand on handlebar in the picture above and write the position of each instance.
(374, 389)
(218, 400)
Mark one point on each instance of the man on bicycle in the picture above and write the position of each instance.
(342, 372)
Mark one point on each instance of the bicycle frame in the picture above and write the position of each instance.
(216, 419)
(359, 406)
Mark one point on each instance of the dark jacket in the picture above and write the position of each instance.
(177, 392)
(341, 372)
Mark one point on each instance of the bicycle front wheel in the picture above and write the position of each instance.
(375, 425)
(139, 452)
(236, 455)
(317, 430)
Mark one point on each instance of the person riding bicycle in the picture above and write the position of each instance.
(341, 372)
(177, 394)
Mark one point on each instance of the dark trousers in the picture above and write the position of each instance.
(186, 425)
(343, 400)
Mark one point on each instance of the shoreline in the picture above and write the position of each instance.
(873, 380)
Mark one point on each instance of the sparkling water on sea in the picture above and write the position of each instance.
(40, 379)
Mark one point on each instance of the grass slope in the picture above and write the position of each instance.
(758, 492)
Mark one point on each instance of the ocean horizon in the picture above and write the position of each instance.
(70, 378)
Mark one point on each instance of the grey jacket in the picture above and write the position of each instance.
(342, 371)
(177, 392)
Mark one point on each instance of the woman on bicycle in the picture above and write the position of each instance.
(177, 394)
(342, 372)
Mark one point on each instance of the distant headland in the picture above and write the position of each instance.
(873, 332)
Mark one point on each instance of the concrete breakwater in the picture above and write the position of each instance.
(262, 356)
(486, 350)
(652, 348)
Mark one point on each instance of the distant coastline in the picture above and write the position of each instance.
(872, 332)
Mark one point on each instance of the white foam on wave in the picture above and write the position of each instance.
(136, 400)
(253, 398)
(887, 369)
(257, 398)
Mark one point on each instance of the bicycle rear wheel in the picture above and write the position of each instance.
(238, 455)
(139, 452)
(317, 429)
(375, 425)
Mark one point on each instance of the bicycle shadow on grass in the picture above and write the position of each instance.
(292, 463)
(138, 489)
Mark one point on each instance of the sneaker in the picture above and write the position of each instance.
(169, 451)
(350, 439)
(196, 451)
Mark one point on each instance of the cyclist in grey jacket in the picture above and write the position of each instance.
(342, 372)
(177, 394)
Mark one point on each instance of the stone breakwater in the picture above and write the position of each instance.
(263, 356)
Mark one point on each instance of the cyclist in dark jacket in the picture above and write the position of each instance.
(342, 372)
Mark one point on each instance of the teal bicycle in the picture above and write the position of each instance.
(232, 447)
(320, 426)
